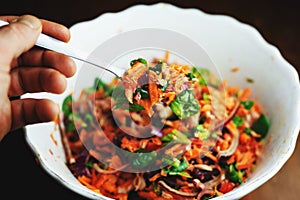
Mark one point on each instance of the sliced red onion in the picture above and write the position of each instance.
(214, 182)
(139, 183)
(103, 171)
(178, 194)
(232, 148)
(203, 192)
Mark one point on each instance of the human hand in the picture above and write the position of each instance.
(28, 69)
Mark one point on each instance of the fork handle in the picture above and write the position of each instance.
(56, 45)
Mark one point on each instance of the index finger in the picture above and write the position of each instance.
(50, 28)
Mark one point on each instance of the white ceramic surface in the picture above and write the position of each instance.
(229, 43)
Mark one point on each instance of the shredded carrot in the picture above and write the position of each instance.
(232, 90)
(153, 178)
(130, 145)
(53, 139)
(235, 69)
(170, 96)
(86, 181)
(245, 95)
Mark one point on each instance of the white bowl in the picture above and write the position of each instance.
(230, 44)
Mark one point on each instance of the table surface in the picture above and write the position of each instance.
(21, 174)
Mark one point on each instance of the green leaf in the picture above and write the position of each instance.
(247, 130)
(206, 96)
(247, 104)
(168, 138)
(261, 126)
(68, 112)
(100, 84)
(191, 76)
(205, 77)
(185, 104)
(158, 67)
(67, 105)
(89, 117)
(141, 60)
(182, 166)
(178, 169)
(184, 174)
(169, 160)
(143, 160)
(89, 164)
(208, 196)
(70, 127)
(119, 96)
(142, 150)
(135, 108)
(144, 93)
(175, 136)
(238, 121)
(203, 133)
(232, 174)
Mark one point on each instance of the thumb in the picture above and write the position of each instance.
(17, 37)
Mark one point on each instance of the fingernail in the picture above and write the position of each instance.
(30, 21)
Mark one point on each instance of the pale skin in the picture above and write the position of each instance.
(25, 68)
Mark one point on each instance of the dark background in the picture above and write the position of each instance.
(279, 22)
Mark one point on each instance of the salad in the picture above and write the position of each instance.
(163, 131)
